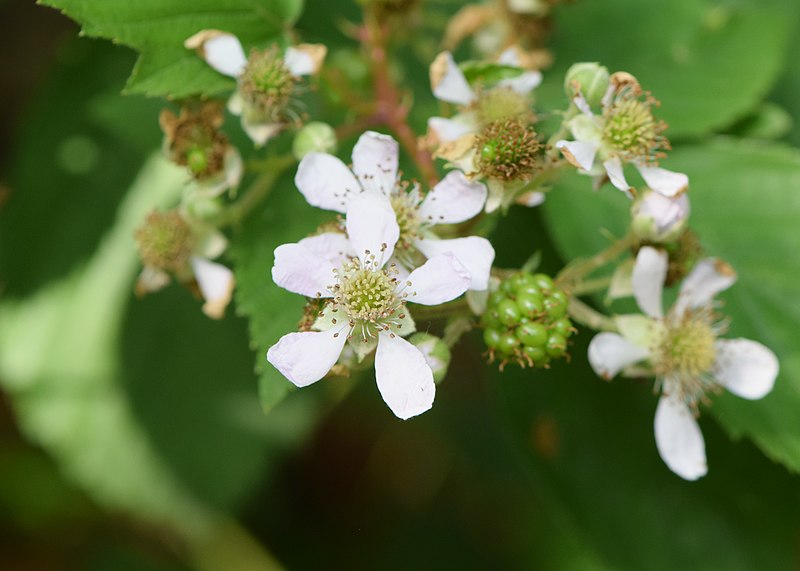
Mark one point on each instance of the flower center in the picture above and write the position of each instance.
(508, 150)
(266, 85)
(631, 129)
(194, 139)
(406, 209)
(502, 103)
(165, 241)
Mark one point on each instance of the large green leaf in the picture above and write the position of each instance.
(708, 61)
(158, 28)
(745, 207)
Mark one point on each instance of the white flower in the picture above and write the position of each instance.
(658, 218)
(265, 80)
(367, 304)
(328, 183)
(683, 350)
(625, 132)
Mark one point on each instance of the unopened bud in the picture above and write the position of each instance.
(435, 351)
(589, 79)
(315, 137)
(657, 218)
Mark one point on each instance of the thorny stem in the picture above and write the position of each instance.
(272, 168)
(589, 317)
(389, 109)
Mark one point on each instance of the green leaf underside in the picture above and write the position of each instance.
(158, 28)
(745, 208)
(709, 63)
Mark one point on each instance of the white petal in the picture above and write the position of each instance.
(304, 59)
(404, 378)
(448, 82)
(332, 246)
(649, 273)
(326, 182)
(709, 277)
(580, 154)
(216, 284)
(260, 133)
(151, 280)
(476, 254)
(212, 243)
(455, 199)
(523, 83)
(510, 56)
(609, 353)
(375, 162)
(582, 105)
(663, 181)
(440, 279)
(746, 368)
(221, 50)
(531, 199)
(306, 357)
(679, 440)
(617, 176)
(372, 227)
(299, 270)
(446, 130)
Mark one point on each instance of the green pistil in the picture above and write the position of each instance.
(508, 150)
(165, 241)
(632, 131)
(367, 297)
(266, 85)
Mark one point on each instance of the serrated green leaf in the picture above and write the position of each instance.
(745, 208)
(708, 61)
(158, 28)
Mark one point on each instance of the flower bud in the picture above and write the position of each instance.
(315, 137)
(590, 79)
(657, 218)
(435, 351)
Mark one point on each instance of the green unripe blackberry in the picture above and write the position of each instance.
(509, 312)
(532, 334)
(507, 343)
(491, 337)
(537, 355)
(530, 303)
(556, 345)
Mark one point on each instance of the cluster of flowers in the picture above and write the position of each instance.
(395, 244)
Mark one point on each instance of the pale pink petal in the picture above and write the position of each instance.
(440, 279)
(709, 277)
(332, 246)
(221, 50)
(375, 162)
(216, 284)
(326, 182)
(746, 368)
(524, 83)
(448, 82)
(306, 357)
(299, 270)
(447, 130)
(455, 199)
(609, 353)
(404, 378)
(649, 273)
(663, 181)
(679, 440)
(617, 176)
(580, 154)
(476, 254)
(372, 228)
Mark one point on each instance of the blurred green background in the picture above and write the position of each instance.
(132, 428)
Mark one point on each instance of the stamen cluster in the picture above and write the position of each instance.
(194, 138)
(266, 84)
(508, 150)
(630, 128)
(165, 241)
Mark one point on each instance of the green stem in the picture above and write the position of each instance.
(589, 317)
(450, 309)
(568, 277)
(591, 286)
(273, 168)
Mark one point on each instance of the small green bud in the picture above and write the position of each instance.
(435, 351)
(588, 78)
(659, 219)
(315, 137)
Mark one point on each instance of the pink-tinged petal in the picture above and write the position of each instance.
(663, 181)
(447, 130)
(299, 270)
(304, 59)
(476, 254)
(221, 50)
(679, 440)
(216, 284)
(709, 277)
(746, 368)
(333, 246)
(372, 228)
(524, 83)
(649, 273)
(448, 82)
(375, 162)
(617, 176)
(455, 199)
(580, 154)
(404, 378)
(326, 182)
(609, 353)
(306, 357)
(442, 278)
